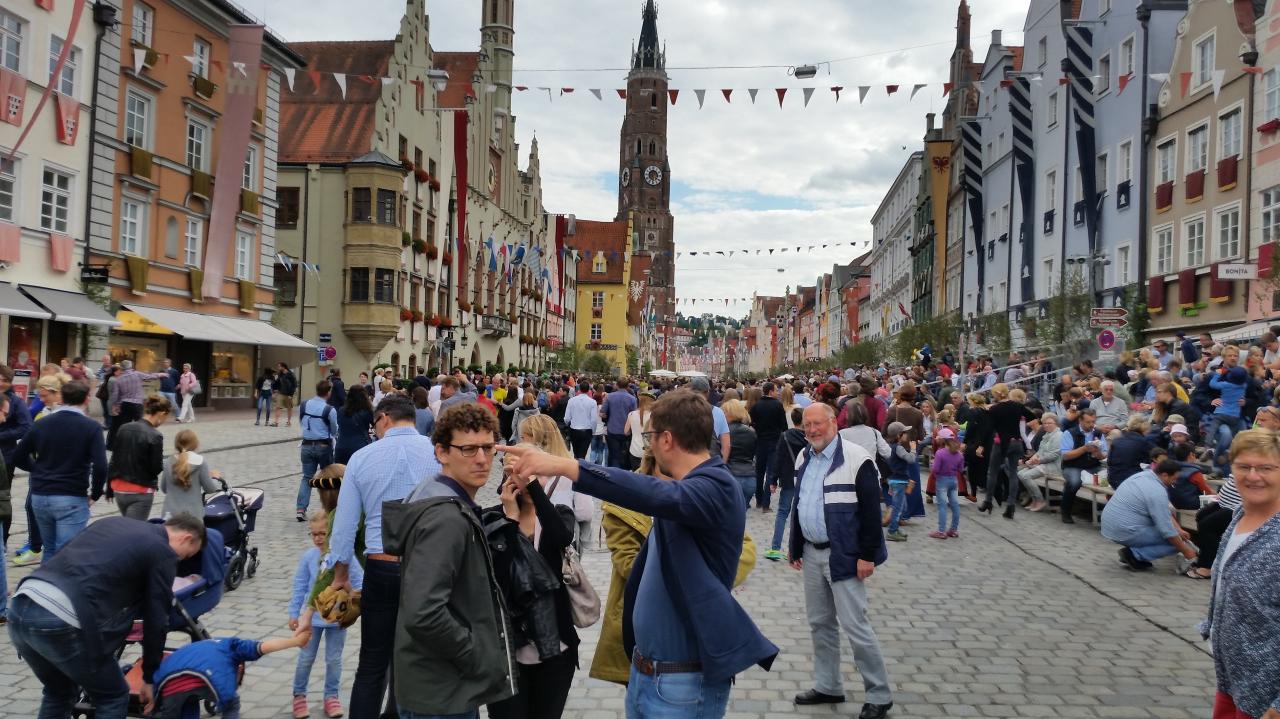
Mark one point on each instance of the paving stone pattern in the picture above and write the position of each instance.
(1023, 618)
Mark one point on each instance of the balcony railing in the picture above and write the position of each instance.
(495, 325)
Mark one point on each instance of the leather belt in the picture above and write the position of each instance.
(383, 557)
(317, 441)
(818, 545)
(650, 668)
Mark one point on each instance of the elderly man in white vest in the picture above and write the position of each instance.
(837, 540)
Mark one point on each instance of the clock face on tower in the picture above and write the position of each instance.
(652, 175)
(626, 176)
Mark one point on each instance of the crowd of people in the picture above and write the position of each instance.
(462, 606)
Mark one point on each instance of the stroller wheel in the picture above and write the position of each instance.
(235, 572)
(210, 708)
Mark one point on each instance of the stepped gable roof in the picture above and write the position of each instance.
(461, 67)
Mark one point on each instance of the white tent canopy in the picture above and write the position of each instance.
(693, 373)
(662, 373)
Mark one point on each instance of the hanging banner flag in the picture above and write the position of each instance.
(836, 89)
(289, 73)
(68, 111)
(245, 45)
(622, 94)
(56, 71)
(782, 92)
(1123, 82)
(60, 247)
(341, 79)
(1024, 168)
(862, 93)
(808, 93)
(1185, 79)
(1218, 76)
(596, 92)
(728, 95)
(673, 94)
(1080, 70)
(752, 92)
(701, 95)
(971, 142)
(493, 256)
(139, 59)
(914, 90)
(946, 88)
(10, 243)
(13, 95)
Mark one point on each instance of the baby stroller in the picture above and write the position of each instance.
(234, 512)
(190, 601)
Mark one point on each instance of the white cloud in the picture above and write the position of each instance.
(756, 177)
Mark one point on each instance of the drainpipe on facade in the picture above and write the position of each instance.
(1067, 179)
(1250, 59)
(1147, 127)
(104, 16)
(306, 235)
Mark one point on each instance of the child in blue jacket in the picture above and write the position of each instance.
(187, 675)
(1230, 383)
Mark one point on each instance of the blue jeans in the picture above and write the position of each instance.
(314, 458)
(748, 484)
(675, 696)
(1222, 430)
(56, 653)
(60, 519)
(334, 638)
(898, 501)
(473, 714)
(948, 489)
(264, 407)
(173, 400)
(4, 582)
(1149, 545)
(599, 453)
(785, 498)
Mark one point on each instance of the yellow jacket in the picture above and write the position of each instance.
(624, 533)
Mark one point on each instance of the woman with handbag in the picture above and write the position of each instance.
(540, 517)
(189, 387)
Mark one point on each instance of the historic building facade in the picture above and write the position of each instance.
(890, 259)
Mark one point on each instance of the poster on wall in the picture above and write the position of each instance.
(24, 349)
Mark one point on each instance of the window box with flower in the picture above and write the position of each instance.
(431, 251)
(421, 175)
(406, 314)
(418, 316)
(419, 247)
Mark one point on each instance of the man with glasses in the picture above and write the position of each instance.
(384, 471)
(681, 622)
(453, 645)
(1139, 518)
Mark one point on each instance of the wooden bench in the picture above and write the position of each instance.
(1098, 497)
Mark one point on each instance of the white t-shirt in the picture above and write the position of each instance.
(637, 428)
(1233, 543)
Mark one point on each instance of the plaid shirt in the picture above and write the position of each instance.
(128, 387)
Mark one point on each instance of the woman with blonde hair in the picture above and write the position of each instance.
(186, 477)
(637, 420)
(787, 396)
(742, 447)
(542, 432)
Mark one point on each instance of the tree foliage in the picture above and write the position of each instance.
(597, 363)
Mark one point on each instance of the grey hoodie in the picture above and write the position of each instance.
(453, 649)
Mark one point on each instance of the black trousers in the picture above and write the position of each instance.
(379, 605)
(764, 470)
(581, 441)
(544, 688)
(1211, 524)
(129, 412)
(619, 450)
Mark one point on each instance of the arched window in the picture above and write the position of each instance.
(653, 148)
(493, 11)
(395, 362)
(413, 366)
(653, 100)
(639, 148)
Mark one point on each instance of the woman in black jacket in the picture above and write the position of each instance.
(977, 443)
(137, 459)
(790, 445)
(538, 517)
(1007, 447)
(355, 422)
(742, 447)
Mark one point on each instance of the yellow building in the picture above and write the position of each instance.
(604, 273)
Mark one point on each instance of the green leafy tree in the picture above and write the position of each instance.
(597, 363)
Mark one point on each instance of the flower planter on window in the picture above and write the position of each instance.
(420, 247)
(203, 86)
(431, 251)
(422, 175)
(405, 314)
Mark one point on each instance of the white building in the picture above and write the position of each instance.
(891, 252)
(44, 314)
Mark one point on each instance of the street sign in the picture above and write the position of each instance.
(1098, 313)
(1106, 339)
(1237, 271)
(326, 337)
(95, 274)
(330, 353)
(1116, 323)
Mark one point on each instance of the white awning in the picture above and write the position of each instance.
(70, 307)
(215, 328)
(13, 302)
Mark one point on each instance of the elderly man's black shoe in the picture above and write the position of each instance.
(813, 696)
(875, 711)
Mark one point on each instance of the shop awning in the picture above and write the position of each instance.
(70, 307)
(13, 302)
(214, 328)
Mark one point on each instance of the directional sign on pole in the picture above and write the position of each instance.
(1112, 313)
(1116, 323)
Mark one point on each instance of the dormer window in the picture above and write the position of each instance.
(598, 265)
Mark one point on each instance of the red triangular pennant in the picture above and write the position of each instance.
(728, 94)
(673, 94)
(622, 94)
(782, 93)
(836, 89)
(521, 88)
(1186, 82)
(891, 89)
(1123, 83)
(566, 90)
(946, 88)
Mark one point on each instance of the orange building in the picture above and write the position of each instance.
(165, 78)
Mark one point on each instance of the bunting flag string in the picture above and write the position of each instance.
(582, 252)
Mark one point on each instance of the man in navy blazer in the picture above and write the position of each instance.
(680, 620)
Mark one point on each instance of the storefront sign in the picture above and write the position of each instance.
(95, 274)
(1237, 271)
(326, 337)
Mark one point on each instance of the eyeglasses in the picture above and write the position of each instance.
(651, 433)
(469, 450)
(1260, 469)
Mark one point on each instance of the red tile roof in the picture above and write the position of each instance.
(461, 67)
(593, 236)
(316, 123)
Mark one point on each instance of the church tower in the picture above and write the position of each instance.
(644, 175)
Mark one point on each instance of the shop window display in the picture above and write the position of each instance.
(231, 375)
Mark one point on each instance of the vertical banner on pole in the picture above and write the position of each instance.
(245, 43)
(460, 130)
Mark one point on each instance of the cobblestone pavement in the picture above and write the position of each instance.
(1023, 618)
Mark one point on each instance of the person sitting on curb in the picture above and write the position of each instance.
(1139, 518)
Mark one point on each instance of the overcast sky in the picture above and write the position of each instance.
(745, 177)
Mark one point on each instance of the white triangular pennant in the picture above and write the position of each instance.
(752, 92)
(862, 92)
(387, 81)
(701, 95)
(1160, 77)
(914, 90)
(341, 79)
(1218, 76)
(191, 59)
(240, 68)
(139, 59)
(288, 76)
(808, 93)
(596, 92)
